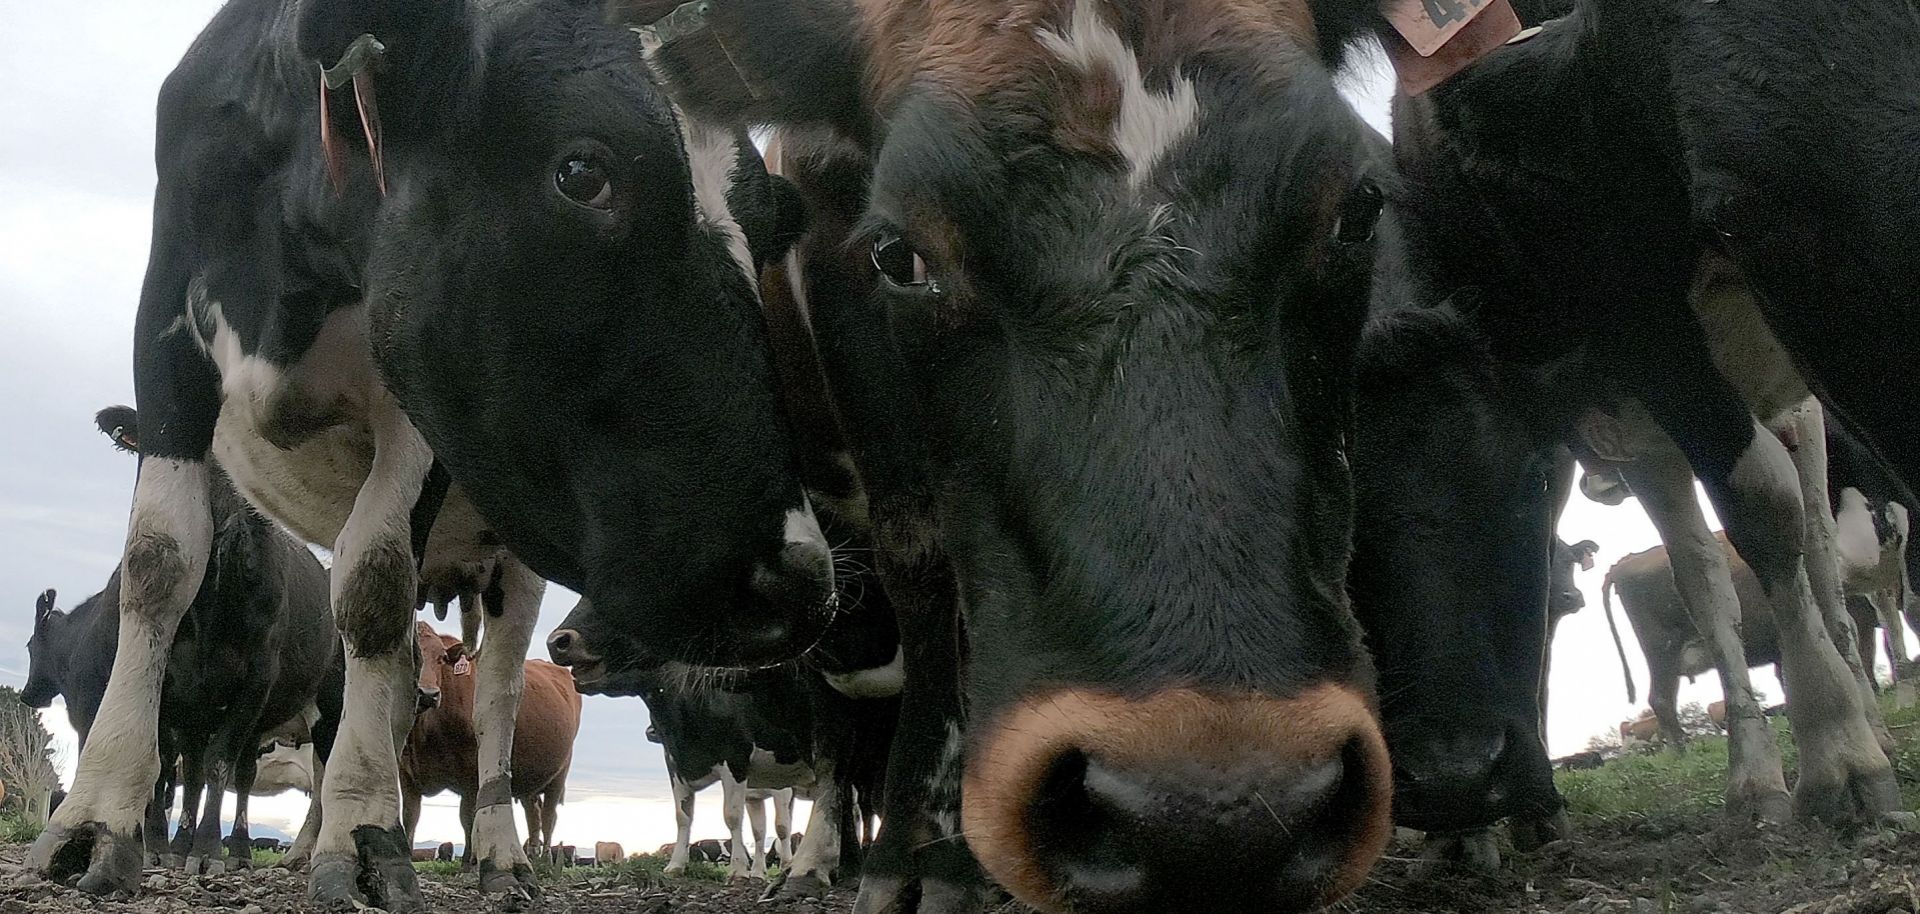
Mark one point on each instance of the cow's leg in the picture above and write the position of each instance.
(818, 856)
(920, 852)
(410, 814)
(550, 805)
(468, 803)
(1822, 557)
(301, 853)
(532, 809)
(362, 854)
(154, 832)
(97, 830)
(240, 840)
(1844, 775)
(682, 821)
(783, 826)
(512, 605)
(1663, 695)
(757, 822)
(204, 856)
(193, 784)
(733, 807)
(1756, 788)
(326, 728)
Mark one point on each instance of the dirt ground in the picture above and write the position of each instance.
(1672, 867)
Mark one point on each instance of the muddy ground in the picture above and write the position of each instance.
(1646, 867)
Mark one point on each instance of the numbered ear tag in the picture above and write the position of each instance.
(1443, 37)
(462, 667)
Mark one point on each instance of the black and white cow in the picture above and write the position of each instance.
(489, 251)
(776, 729)
(1637, 185)
(257, 652)
(1086, 280)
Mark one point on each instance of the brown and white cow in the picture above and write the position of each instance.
(1087, 305)
(442, 751)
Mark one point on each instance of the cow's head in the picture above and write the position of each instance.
(45, 658)
(561, 291)
(1106, 279)
(1461, 478)
(440, 658)
(1563, 595)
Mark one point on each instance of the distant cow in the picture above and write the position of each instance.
(1673, 646)
(774, 733)
(442, 750)
(257, 651)
(607, 852)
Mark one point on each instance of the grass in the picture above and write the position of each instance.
(15, 830)
(441, 868)
(264, 858)
(1659, 784)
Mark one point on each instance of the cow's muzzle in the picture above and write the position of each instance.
(1088, 802)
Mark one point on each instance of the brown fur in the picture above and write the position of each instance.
(443, 751)
(1250, 733)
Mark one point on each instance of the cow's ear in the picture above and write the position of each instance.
(456, 651)
(392, 67)
(779, 62)
(43, 607)
(121, 424)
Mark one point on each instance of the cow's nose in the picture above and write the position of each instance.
(427, 699)
(1094, 803)
(1456, 781)
(568, 648)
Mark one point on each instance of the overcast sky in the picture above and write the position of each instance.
(77, 89)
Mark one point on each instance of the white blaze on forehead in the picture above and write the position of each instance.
(1150, 122)
(712, 156)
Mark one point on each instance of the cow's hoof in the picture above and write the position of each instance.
(892, 895)
(1475, 851)
(378, 874)
(1850, 797)
(799, 885)
(517, 885)
(1531, 833)
(198, 865)
(89, 857)
(672, 870)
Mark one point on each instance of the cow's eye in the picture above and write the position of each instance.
(584, 181)
(899, 263)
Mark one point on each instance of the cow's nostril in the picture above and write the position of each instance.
(564, 647)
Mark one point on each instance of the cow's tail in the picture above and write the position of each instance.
(1626, 672)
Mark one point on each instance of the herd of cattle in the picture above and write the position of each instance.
(1077, 437)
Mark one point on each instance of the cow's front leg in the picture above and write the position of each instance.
(97, 831)
(362, 854)
(733, 807)
(682, 821)
(920, 863)
(1844, 776)
(512, 604)
(1808, 426)
(1663, 480)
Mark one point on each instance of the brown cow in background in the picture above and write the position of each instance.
(442, 752)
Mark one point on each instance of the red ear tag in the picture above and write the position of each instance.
(1439, 38)
(462, 667)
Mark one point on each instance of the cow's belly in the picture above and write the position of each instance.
(764, 772)
(306, 473)
(1744, 347)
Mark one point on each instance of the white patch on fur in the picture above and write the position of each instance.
(1150, 122)
(1854, 536)
(819, 852)
(284, 768)
(803, 528)
(878, 682)
(1765, 466)
(712, 157)
(946, 774)
(1744, 348)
